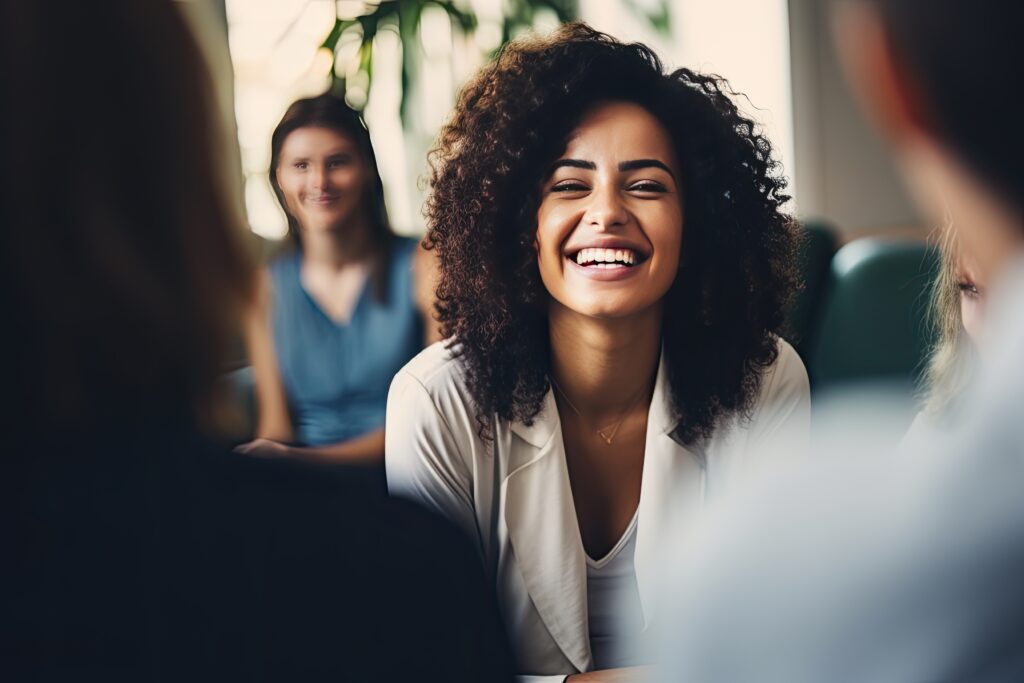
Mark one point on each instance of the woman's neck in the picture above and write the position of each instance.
(604, 365)
(337, 248)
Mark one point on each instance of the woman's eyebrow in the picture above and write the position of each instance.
(646, 163)
(574, 163)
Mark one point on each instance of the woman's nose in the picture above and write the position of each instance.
(606, 209)
(320, 178)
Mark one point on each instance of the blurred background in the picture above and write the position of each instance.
(402, 63)
(862, 314)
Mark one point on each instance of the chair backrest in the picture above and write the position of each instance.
(874, 324)
(817, 247)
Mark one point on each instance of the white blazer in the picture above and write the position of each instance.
(512, 494)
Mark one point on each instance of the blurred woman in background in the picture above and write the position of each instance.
(346, 307)
(957, 309)
(135, 547)
(957, 313)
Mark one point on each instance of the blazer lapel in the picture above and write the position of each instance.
(671, 494)
(545, 536)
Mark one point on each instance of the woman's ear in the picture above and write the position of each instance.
(873, 67)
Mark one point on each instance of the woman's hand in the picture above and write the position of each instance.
(264, 448)
(632, 674)
(367, 448)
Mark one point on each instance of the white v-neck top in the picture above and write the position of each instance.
(614, 613)
(511, 493)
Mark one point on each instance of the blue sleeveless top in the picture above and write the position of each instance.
(336, 376)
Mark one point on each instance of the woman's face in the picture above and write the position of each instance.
(610, 221)
(322, 176)
(972, 299)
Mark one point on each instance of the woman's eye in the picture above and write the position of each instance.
(339, 162)
(569, 186)
(968, 289)
(301, 165)
(648, 186)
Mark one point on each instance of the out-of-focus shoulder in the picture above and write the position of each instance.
(404, 248)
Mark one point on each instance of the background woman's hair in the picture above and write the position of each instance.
(331, 112)
(737, 267)
(949, 359)
(122, 268)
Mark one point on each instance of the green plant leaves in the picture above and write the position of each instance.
(404, 17)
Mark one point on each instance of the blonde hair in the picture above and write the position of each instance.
(947, 373)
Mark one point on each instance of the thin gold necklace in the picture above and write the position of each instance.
(607, 436)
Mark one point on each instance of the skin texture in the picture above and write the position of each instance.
(605, 335)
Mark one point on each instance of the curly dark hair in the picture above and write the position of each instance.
(737, 266)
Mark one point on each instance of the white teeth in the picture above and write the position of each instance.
(606, 257)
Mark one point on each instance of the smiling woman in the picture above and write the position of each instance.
(611, 213)
(614, 268)
(346, 307)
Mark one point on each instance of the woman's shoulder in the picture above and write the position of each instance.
(786, 375)
(283, 266)
(779, 418)
(400, 262)
(784, 394)
(405, 243)
(403, 247)
(284, 256)
(430, 438)
(438, 371)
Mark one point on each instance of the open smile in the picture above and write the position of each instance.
(606, 263)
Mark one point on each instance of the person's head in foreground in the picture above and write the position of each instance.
(875, 564)
(122, 271)
(941, 79)
(136, 548)
(579, 185)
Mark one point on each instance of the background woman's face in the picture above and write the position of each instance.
(322, 176)
(610, 222)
